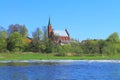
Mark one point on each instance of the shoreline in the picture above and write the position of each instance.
(58, 61)
(52, 57)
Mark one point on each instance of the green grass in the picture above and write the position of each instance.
(38, 56)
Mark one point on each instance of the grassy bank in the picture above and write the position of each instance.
(38, 56)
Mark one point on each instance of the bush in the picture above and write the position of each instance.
(59, 54)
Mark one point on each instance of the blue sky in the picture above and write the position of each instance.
(84, 19)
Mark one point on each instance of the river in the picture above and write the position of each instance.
(60, 70)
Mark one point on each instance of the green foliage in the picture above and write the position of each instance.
(37, 43)
(15, 42)
(17, 28)
(62, 50)
(101, 44)
(15, 39)
(111, 48)
(25, 44)
(76, 48)
(90, 46)
(114, 37)
(49, 46)
(68, 49)
(112, 44)
(3, 41)
(93, 46)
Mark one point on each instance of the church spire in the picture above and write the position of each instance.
(49, 29)
(49, 23)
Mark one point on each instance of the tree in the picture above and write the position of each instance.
(101, 44)
(45, 34)
(23, 32)
(91, 46)
(76, 48)
(111, 48)
(37, 43)
(15, 42)
(114, 37)
(18, 28)
(48, 43)
(3, 40)
(112, 44)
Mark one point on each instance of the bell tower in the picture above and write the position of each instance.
(49, 29)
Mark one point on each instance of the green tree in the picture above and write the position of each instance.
(45, 34)
(112, 44)
(23, 31)
(75, 47)
(101, 44)
(111, 48)
(91, 46)
(15, 42)
(114, 37)
(48, 45)
(3, 41)
(37, 43)
(17, 28)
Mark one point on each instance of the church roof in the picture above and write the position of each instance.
(60, 33)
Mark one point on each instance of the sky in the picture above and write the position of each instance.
(84, 19)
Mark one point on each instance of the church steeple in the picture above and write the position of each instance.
(49, 23)
(49, 29)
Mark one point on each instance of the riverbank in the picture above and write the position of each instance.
(58, 61)
(38, 56)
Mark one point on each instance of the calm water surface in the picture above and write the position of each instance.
(70, 70)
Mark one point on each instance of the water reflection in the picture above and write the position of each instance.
(28, 63)
(59, 71)
(31, 71)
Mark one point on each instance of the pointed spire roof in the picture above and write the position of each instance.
(49, 23)
(67, 32)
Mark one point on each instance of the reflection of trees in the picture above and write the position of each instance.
(54, 71)
(43, 71)
(19, 76)
(17, 64)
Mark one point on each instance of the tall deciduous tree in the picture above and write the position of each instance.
(47, 46)
(15, 42)
(45, 33)
(114, 37)
(112, 45)
(92, 46)
(37, 40)
(3, 39)
(18, 28)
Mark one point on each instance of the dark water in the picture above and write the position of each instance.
(78, 70)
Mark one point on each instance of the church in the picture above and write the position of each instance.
(58, 36)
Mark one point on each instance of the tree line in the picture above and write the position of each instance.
(15, 39)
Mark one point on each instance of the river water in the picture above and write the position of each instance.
(60, 70)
